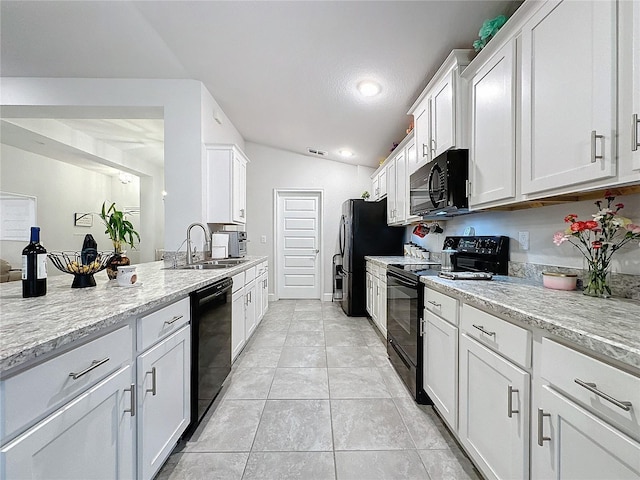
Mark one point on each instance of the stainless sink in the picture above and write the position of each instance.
(213, 264)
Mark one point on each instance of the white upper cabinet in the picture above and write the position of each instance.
(379, 184)
(225, 174)
(439, 112)
(568, 96)
(492, 149)
(397, 180)
(629, 93)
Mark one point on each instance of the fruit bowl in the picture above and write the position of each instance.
(81, 266)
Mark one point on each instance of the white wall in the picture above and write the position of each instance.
(61, 190)
(184, 103)
(271, 168)
(541, 223)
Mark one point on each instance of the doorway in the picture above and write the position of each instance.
(298, 245)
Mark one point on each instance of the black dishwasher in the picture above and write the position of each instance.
(210, 346)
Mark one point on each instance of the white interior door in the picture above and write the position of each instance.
(298, 220)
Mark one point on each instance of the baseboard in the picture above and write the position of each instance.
(327, 297)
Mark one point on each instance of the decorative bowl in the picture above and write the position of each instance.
(82, 267)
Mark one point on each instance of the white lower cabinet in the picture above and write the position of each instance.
(369, 293)
(572, 443)
(237, 323)
(249, 302)
(92, 437)
(264, 286)
(440, 370)
(250, 309)
(164, 385)
(494, 411)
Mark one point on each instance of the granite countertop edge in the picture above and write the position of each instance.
(33, 341)
(616, 339)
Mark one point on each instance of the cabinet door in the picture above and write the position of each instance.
(443, 116)
(382, 308)
(375, 189)
(402, 188)
(391, 191)
(496, 436)
(238, 336)
(422, 133)
(375, 301)
(258, 300)
(265, 292)
(568, 95)
(440, 372)
(369, 293)
(250, 309)
(413, 160)
(579, 445)
(382, 183)
(92, 437)
(239, 191)
(164, 386)
(492, 156)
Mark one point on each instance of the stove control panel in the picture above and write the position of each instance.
(478, 245)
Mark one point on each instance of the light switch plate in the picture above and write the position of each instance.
(263, 239)
(523, 239)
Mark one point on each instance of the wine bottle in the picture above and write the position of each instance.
(34, 267)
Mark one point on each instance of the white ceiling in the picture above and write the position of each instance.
(284, 72)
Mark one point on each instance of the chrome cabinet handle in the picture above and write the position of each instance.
(594, 155)
(437, 305)
(626, 406)
(486, 332)
(242, 213)
(153, 382)
(95, 364)
(422, 327)
(541, 437)
(634, 132)
(433, 145)
(132, 408)
(173, 320)
(510, 410)
(424, 150)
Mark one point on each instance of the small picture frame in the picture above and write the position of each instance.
(83, 219)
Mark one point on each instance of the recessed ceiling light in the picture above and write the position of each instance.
(345, 153)
(369, 88)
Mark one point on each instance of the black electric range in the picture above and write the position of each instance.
(405, 301)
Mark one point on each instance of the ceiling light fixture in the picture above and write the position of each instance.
(369, 88)
(345, 153)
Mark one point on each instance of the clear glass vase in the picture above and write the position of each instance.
(597, 281)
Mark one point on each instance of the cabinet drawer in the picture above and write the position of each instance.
(506, 338)
(249, 275)
(238, 281)
(162, 323)
(261, 269)
(563, 367)
(441, 304)
(30, 395)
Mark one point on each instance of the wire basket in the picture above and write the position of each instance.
(82, 267)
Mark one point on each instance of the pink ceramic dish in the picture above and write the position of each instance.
(559, 281)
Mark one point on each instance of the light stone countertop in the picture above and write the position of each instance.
(32, 327)
(610, 327)
(384, 261)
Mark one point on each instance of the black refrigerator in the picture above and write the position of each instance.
(363, 231)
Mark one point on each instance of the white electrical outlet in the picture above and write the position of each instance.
(523, 239)
(263, 239)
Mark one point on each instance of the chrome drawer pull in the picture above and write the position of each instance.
(437, 305)
(486, 332)
(594, 154)
(424, 150)
(541, 437)
(174, 319)
(132, 389)
(153, 382)
(95, 364)
(634, 132)
(626, 406)
(510, 410)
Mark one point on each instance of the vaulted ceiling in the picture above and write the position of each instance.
(285, 73)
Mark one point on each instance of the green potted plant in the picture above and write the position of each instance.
(121, 232)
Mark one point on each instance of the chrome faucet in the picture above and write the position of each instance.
(207, 247)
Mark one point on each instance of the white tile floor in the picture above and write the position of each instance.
(313, 396)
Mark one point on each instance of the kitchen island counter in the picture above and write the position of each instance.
(32, 327)
(609, 327)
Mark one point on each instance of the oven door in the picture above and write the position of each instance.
(402, 315)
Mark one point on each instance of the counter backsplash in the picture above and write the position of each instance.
(622, 284)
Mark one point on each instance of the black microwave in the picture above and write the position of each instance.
(440, 186)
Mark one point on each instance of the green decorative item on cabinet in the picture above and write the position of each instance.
(120, 231)
(365, 195)
(488, 30)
